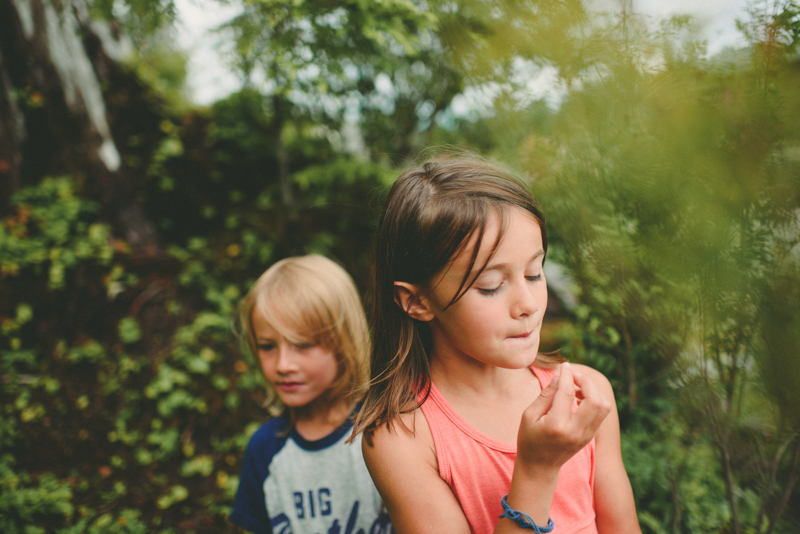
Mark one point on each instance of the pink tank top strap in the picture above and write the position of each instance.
(545, 376)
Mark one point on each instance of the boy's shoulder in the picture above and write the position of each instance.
(269, 438)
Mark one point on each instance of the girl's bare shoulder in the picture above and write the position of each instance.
(402, 462)
(407, 436)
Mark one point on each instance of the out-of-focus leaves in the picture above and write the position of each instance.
(672, 196)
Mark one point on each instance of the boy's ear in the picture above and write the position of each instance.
(407, 296)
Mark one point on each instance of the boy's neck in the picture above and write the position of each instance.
(316, 422)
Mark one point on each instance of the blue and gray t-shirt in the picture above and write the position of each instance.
(290, 485)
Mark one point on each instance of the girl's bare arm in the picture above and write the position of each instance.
(403, 462)
(613, 496)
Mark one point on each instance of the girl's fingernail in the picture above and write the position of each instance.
(566, 364)
(578, 374)
(554, 381)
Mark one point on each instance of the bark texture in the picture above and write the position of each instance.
(55, 62)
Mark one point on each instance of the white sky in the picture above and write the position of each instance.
(208, 79)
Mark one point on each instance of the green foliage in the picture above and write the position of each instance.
(162, 69)
(138, 376)
(672, 197)
(127, 394)
(381, 65)
(670, 184)
(317, 47)
(140, 18)
(674, 472)
(49, 228)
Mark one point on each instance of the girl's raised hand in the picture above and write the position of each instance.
(550, 433)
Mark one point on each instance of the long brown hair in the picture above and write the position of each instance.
(429, 216)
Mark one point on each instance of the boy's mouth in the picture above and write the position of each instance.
(288, 386)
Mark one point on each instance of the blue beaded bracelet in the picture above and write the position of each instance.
(523, 520)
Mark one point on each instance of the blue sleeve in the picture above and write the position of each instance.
(250, 506)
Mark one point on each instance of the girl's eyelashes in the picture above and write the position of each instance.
(489, 292)
(266, 347)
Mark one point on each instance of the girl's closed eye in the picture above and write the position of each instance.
(489, 291)
(489, 284)
(266, 346)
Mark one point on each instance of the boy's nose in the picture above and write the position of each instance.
(285, 363)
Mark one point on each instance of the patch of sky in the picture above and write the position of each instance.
(449, 7)
(352, 108)
(384, 86)
(424, 112)
(351, 71)
(418, 68)
(384, 96)
(308, 72)
(305, 29)
(336, 19)
(531, 82)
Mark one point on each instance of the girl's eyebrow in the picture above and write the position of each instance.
(501, 266)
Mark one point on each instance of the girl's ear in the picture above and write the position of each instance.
(407, 296)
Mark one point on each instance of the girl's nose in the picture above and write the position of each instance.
(526, 301)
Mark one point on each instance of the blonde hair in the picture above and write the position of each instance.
(313, 297)
(429, 216)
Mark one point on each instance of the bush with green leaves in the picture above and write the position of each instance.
(672, 192)
(124, 409)
(127, 398)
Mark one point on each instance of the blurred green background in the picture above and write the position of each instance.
(132, 222)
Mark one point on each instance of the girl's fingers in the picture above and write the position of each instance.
(543, 402)
(565, 394)
(594, 407)
(550, 433)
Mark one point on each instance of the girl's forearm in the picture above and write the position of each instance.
(531, 492)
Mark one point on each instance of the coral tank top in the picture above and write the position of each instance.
(478, 469)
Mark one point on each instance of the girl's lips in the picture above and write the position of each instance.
(521, 336)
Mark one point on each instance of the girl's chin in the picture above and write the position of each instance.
(527, 357)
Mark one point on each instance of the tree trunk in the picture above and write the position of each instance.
(629, 365)
(730, 486)
(292, 229)
(53, 117)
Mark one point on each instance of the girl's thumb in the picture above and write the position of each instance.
(544, 401)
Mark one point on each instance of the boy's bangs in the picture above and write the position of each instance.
(291, 312)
